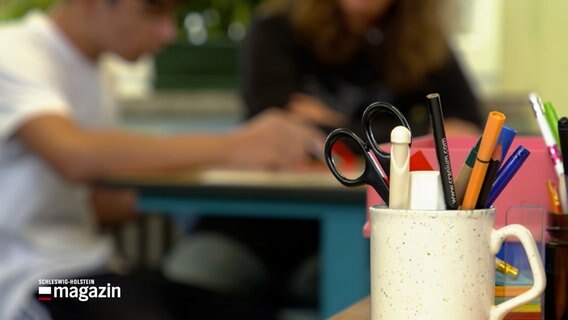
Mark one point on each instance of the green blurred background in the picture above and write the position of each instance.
(509, 47)
(207, 52)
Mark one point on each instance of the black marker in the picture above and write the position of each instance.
(442, 152)
(563, 137)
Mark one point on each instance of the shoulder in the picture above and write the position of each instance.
(24, 53)
(14, 36)
(23, 31)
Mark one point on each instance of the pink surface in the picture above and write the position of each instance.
(528, 186)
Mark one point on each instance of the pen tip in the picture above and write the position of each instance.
(433, 96)
(563, 123)
(496, 115)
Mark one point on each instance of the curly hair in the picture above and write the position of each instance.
(414, 35)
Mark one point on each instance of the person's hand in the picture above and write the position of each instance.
(315, 111)
(274, 139)
(457, 127)
(114, 206)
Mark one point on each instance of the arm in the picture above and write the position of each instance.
(82, 155)
(272, 140)
(114, 206)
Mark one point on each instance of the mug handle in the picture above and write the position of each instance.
(499, 311)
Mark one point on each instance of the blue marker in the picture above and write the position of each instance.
(507, 172)
(506, 137)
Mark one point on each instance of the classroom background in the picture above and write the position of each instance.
(509, 48)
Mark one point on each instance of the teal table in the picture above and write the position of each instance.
(339, 210)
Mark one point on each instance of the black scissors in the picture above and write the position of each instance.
(372, 174)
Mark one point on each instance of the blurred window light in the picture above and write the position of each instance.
(195, 26)
(212, 17)
(236, 31)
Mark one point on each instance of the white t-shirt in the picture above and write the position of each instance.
(47, 228)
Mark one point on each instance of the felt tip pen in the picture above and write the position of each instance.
(442, 150)
(563, 138)
(489, 178)
(552, 119)
(507, 172)
(506, 139)
(547, 135)
(495, 122)
(465, 172)
(551, 145)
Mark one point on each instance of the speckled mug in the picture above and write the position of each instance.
(441, 265)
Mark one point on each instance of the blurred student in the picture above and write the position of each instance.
(326, 60)
(56, 114)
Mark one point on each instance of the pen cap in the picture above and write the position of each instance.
(563, 133)
(563, 125)
(551, 118)
(495, 122)
(549, 107)
(507, 172)
(536, 103)
(426, 191)
(506, 138)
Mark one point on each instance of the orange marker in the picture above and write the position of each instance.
(552, 189)
(495, 122)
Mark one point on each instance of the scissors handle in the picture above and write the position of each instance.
(371, 174)
(372, 110)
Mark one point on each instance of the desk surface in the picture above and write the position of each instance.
(359, 311)
(340, 212)
(362, 311)
(297, 185)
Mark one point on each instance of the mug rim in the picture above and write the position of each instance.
(384, 208)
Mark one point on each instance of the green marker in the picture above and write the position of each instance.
(465, 173)
(552, 119)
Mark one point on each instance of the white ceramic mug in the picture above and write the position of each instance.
(440, 265)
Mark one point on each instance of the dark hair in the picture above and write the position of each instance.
(414, 35)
